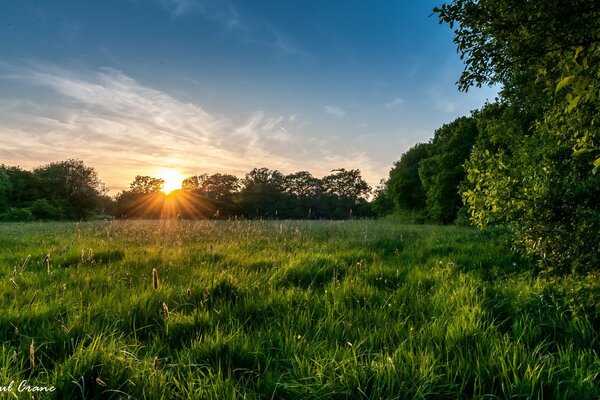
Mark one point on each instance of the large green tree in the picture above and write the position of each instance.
(443, 170)
(534, 163)
(344, 194)
(544, 53)
(71, 186)
(262, 194)
(303, 191)
(212, 196)
(146, 184)
(5, 188)
(404, 183)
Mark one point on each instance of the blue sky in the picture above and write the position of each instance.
(134, 86)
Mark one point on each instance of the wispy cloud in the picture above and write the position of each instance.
(263, 34)
(250, 30)
(395, 103)
(124, 128)
(222, 11)
(180, 7)
(282, 43)
(335, 111)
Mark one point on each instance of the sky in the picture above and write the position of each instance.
(132, 87)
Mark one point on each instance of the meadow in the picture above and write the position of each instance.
(290, 310)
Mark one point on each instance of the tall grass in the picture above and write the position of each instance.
(291, 310)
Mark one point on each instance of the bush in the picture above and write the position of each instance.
(42, 209)
(17, 214)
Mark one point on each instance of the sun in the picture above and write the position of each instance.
(172, 178)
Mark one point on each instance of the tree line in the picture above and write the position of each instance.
(71, 190)
(530, 159)
(262, 193)
(61, 190)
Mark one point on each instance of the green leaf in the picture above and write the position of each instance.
(573, 102)
(582, 151)
(577, 51)
(563, 82)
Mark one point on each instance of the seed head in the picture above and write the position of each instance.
(165, 310)
(154, 279)
(32, 356)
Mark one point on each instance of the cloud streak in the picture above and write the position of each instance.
(249, 30)
(221, 11)
(397, 102)
(335, 111)
(124, 128)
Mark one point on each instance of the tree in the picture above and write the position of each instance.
(213, 195)
(5, 188)
(193, 182)
(442, 171)
(383, 201)
(302, 184)
(345, 194)
(221, 187)
(537, 176)
(143, 200)
(146, 184)
(43, 209)
(346, 184)
(72, 186)
(262, 194)
(532, 182)
(21, 187)
(303, 191)
(404, 183)
(545, 53)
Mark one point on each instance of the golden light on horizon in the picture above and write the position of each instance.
(172, 178)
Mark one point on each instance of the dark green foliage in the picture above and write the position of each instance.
(72, 185)
(130, 204)
(146, 184)
(216, 195)
(19, 188)
(62, 190)
(424, 183)
(70, 190)
(404, 183)
(303, 192)
(42, 209)
(383, 202)
(262, 194)
(443, 170)
(17, 214)
(535, 164)
(5, 189)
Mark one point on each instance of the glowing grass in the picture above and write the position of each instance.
(293, 310)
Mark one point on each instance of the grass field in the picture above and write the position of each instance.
(291, 310)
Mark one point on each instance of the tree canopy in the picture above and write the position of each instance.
(262, 193)
(60, 190)
(534, 165)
